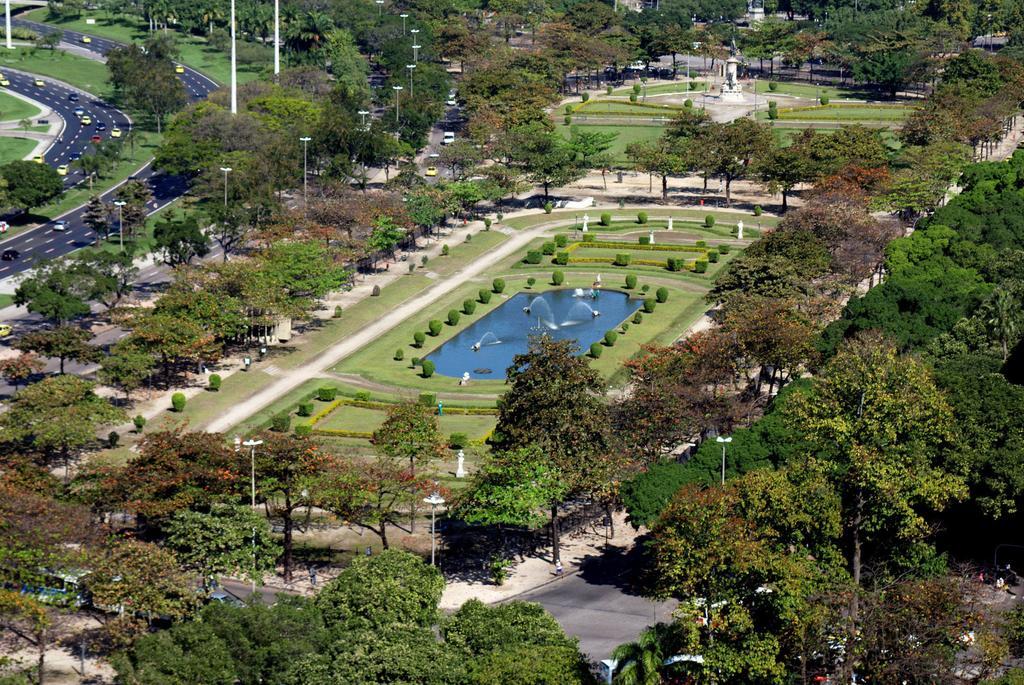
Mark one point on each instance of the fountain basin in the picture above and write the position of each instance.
(490, 343)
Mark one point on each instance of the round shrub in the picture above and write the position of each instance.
(548, 207)
(418, 338)
(548, 247)
(608, 90)
(624, 327)
(568, 109)
(757, 210)
(661, 294)
(562, 258)
(606, 219)
(567, 119)
(700, 266)
(610, 337)
(530, 282)
(435, 327)
(709, 221)
(445, 250)
(823, 100)
(468, 307)
(561, 240)
(638, 318)
(498, 285)
(589, 238)
(305, 409)
(688, 103)
(644, 240)
(337, 312)
(362, 395)
(303, 430)
(427, 367)
(641, 217)
(621, 259)
(469, 237)
(423, 260)
(648, 305)
(113, 438)
(399, 355)
(773, 86)
(644, 288)
(773, 110)
(215, 382)
(595, 350)
(178, 401)
(412, 267)
(140, 422)
(712, 256)
(414, 362)
(585, 96)
(557, 278)
(724, 248)
(484, 296)
(281, 423)
(453, 317)
(427, 399)
(702, 243)
(326, 393)
(630, 281)
(457, 441)
(636, 88)
(375, 292)
(487, 223)
(632, 97)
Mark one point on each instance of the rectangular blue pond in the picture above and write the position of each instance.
(486, 349)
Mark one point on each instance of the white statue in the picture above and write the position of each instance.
(670, 223)
(652, 237)
(586, 222)
(739, 230)
(598, 279)
(460, 472)
(465, 375)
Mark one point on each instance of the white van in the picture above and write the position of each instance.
(449, 138)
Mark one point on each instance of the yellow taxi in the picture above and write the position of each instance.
(115, 132)
(431, 171)
(5, 330)
(85, 120)
(3, 81)
(39, 83)
(178, 69)
(86, 39)
(38, 159)
(62, 170)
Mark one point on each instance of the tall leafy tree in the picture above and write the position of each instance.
(227, 540)
(62, 343)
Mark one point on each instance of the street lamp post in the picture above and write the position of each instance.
(755, 98)
(7, 22)
(120, 222)
(380, 7)
(724, 442)
(252, 445)
(410, 67)
(305, 150)
(416, 52)
(234, 74)
(226, 170)
(363, 114)
(277, 37)
(398, 90)
(404, 16)
(435, 500)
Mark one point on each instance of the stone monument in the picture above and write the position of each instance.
(460, 471)
(732, 91)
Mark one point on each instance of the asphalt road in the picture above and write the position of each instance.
(42, 242)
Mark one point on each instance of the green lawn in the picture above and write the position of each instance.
(6, 300)
(625, 108)
(584, 252)
(195, 51)
(16, 109)
(839, 113)
(640, 133)
(87, 74)
(665, 88)
(365, 420)
(807, 90)
(657, 216)
(13, 149)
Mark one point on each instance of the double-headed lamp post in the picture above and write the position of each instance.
(398, 92)
(227, 170)
(724, 442)
(305, 150)
(410, 67)
(415, 50)
(234, 64)
(380, 7)
(252, 445)
(7, 22)
(363, 113)
(120, 222)
(435, 500)
(404, 16)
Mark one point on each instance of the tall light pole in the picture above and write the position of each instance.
(305, 149)
(7, 22)
(234, 72)
(755, 99)
(120, 222)
(404, 16)
(380, 7)
(416, 53)
(226, 170)
(252, 445)
(398, 91)
(724, 442)
(277, 37)
(410, 67)
(435, 500)
(363, 114)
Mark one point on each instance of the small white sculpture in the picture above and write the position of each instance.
(460, 472)
(739, 230)
(670, 223)
(652, 237)
(586, 222)
(598, 279)
(465, 375)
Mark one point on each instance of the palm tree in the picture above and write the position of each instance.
(640, 662)
(1005, 319)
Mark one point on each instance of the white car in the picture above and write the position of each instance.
(452, 102)
(449, 138)
(60, 225)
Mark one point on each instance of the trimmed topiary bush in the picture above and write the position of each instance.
(641, 217)
(606, 219)
(453, 317)
(427, 368)
(303, 430)
(457, 441)
(773, 110)
(140, 422)
(498, 285)
(649, 305)
(585, 96)
(337, 312)
(773, 86)
(632, 97)
(435, 327)
(362, 395)
(636, 88)
(644, 288)
(624, 327)
(375, 292)
(423, 260)
(215, 382)
(595, 350)
(533, 257)
(561, 240)
(621, 259)
(428, 399)
(399, 355)
(487, 223)
(608, 90)
(548, 247)
(445, 250)
(281, 423)
(468, 307)
(674, 264)
(712, 256)
(418, 338)
(562, 258)
(305, 408)
(638, 318)
(702, 243)
(414, 362)
(757, 210)
(557, 278)
(589, 238)
(326, 393)
(469, 237)
(548, 207)
(178, 401)
(644, 240)
(610, 337)
(530, 282)
(724, 248)
(709, 221)
(630, 281)
(568, 109)
(484, 296)
(688, 103)
(823, 100)
(113, 438)
(700, 266)
(661, 294)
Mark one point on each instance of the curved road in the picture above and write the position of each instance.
(43, 242)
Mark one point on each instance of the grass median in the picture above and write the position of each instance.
(81, 72)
